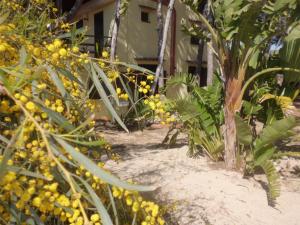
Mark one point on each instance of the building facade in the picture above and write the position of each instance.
(138, 38)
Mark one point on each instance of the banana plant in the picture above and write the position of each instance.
(262, 149)
(241, 30)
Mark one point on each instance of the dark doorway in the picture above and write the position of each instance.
(98, 33)
(202, 75)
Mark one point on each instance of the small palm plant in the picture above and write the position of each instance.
(201, 114)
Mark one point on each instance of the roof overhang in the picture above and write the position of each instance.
(90, 6)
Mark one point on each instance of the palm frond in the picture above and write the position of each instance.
(273, 180)
(290, 57)
(182, 78)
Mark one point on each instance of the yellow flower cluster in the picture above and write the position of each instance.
(113, 75)
(149, 210)
(155, 104)
(13, 4)
(44, 96)
(121, 95)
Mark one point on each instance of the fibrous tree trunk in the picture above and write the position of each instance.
(160, 30)
(116, 26)
(159, 68)
(230, 136)
(233, 89)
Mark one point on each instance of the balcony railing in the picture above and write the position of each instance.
(95, 46)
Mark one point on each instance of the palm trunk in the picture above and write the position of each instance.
(159, 68)
(233, 89)
(115, 32)
(230, 138)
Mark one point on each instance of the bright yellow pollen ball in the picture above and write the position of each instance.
(30, 106)
(62, 52)
(95, 218)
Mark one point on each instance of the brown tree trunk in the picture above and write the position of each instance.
(230, 139)
(233, 88)
(116, 25)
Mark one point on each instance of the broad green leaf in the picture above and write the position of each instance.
(105, 99)
(273, 180)
(243, 131)
(105, 218)
(97, 171)
(289, 56)
(263, 154)
(250, 108)
(254, 59)
(294, 34)
(274, 132)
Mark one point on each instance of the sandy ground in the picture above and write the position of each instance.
(197, 191)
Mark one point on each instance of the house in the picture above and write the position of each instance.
(138, 38)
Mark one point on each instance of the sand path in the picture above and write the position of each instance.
(197, 191)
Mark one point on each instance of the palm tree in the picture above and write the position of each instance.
(240, 30)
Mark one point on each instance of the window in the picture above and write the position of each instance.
(145, 17)
(194, 40)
